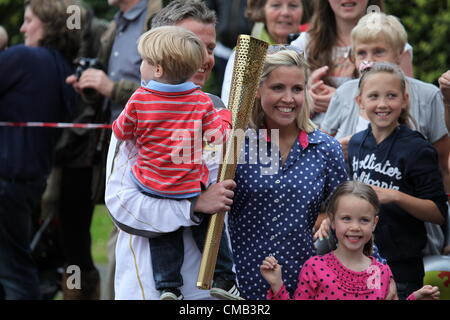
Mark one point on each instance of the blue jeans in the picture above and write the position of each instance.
(18, 273)
(167, 253)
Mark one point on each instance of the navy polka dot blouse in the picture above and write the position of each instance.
(274, 214)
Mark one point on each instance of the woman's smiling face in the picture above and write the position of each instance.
(282, 95)
(282, 18)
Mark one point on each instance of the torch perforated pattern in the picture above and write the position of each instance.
(248, 65)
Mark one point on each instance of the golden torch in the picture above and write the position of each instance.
(248, 65)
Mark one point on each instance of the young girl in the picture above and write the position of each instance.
(403, 169)
(349, 272)
(274, 212)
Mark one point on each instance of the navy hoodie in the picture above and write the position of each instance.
(32, 88)
(404, 161)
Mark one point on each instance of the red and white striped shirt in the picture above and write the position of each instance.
(169, 123)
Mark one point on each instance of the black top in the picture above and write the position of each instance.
(32, 89)
(404, 161)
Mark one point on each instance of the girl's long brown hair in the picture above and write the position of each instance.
(323, 34)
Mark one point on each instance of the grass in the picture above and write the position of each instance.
(101, 227)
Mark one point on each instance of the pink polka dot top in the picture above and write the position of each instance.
(326, 278)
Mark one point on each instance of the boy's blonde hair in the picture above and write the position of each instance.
(380, 26)
(284, 56)
(178, 51)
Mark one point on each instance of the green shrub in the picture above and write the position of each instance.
(428, 25)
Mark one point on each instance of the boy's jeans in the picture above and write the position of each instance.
(168, 253)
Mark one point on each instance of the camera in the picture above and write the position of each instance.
(82, 64)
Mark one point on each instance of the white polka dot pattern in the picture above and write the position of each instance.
(275, 214)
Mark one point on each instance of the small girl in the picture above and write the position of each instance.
(402, 168)
(349, 272)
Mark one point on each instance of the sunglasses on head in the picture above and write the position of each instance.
(280, 47)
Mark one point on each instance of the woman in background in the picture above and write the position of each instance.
(32, 89)
(275, 20)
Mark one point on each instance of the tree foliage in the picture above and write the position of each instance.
(428, 25)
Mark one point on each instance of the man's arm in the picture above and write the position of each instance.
(146, 216)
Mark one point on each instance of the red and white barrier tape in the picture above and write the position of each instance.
(55, 125)
(62, 125)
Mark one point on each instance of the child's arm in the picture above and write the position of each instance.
(392, 290)
(422, 209)
(271, 272)
(125, 125)
(427, 292)
(429, 201)
(306, 287)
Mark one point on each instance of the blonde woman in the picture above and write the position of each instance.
(275, 206)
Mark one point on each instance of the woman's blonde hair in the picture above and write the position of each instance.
(393, 69)
(178, 51)
(284, 57)
(359, 190)
(380, 26)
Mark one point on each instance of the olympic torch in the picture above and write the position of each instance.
(248, 65)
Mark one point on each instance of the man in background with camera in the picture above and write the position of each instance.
(105, 83)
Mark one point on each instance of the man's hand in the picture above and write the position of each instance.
(73, 81)
(92, 78)
(217, 198)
